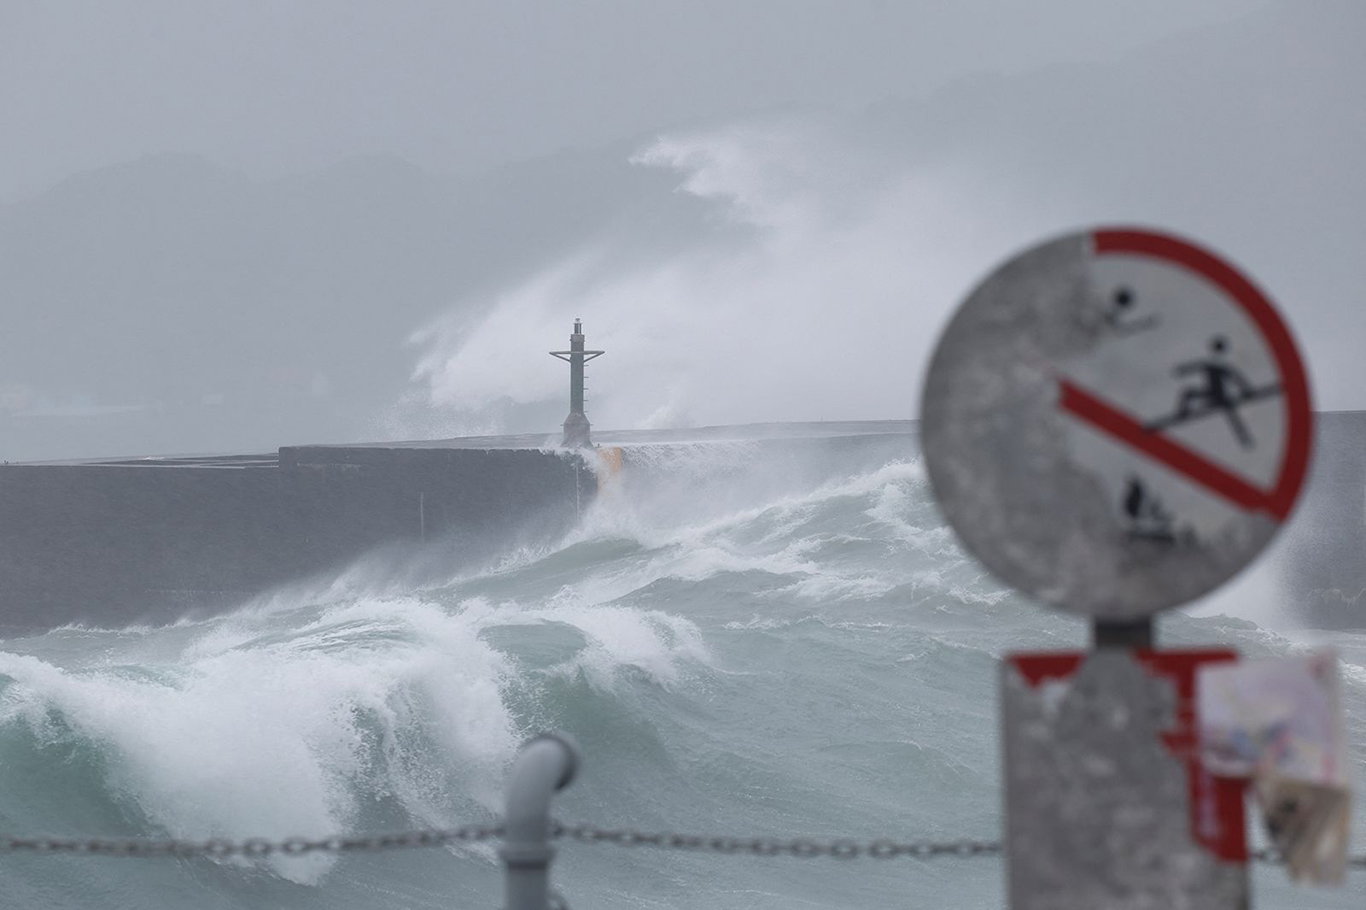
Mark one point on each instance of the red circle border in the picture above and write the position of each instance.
(1299, 417)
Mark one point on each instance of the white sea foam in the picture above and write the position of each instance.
(652, 641)
(312, 711)
(826, 587)
(281, 719)
(232, 746)
(894, 501)
(275, 733)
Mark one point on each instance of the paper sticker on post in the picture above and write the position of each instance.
(1279, 722)
(1116, 422)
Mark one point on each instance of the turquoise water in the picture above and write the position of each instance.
(741, 646)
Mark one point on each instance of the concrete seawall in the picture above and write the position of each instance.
(1322, 558)
(116, 542)
(149, 540)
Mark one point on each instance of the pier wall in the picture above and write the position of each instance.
(1322, 558)
(150, 540)
(120, 542)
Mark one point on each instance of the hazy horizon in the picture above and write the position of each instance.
(250, 226)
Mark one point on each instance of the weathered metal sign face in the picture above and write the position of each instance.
(1116, 422)
(1108, 803)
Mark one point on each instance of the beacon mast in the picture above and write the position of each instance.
(576, 424)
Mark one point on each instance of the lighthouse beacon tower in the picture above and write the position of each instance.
(576, 424)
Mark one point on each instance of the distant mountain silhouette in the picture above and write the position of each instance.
(169, 304)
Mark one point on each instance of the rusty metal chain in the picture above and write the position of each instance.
(251, 847)
(1274, 857)
(257, 847)
(839, 848)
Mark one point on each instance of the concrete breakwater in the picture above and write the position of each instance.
(1321, 556)
(148, 540)
(119, 541)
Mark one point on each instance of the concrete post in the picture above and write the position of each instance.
(1111, 633)
(545, 765)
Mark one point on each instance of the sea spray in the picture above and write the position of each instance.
(754, 645)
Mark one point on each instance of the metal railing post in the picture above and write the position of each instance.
(545, 765)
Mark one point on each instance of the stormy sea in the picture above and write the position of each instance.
(743, 641)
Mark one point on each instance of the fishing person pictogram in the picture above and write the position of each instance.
(1221, 388)
(1148, 519)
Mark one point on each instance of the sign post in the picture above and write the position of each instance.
(1116, 422)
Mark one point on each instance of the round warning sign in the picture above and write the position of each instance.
(1116, 422)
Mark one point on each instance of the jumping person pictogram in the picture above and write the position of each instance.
(1222, 388)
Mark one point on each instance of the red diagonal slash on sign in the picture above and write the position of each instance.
(1238, 289)
(1108, 419)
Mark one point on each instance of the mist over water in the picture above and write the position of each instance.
(818, 287)
(761, 252)
(823, 249)
(744, 641)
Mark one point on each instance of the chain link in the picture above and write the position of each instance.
(253, 847)
(839, 848)
(257, 847)
(1274, 857)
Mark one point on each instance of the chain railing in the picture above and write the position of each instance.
(252, 846)
(545, 765)
(729, 845)
(833, 848)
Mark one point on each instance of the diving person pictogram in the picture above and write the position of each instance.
(1121, 318)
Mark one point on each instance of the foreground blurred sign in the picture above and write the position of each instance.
(1116, 422)
(1108, 801)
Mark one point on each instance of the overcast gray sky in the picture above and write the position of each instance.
(278, 86)
(241, 225)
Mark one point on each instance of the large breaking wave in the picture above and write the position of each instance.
(743, 642)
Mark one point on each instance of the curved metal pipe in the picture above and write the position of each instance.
(545, 765)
